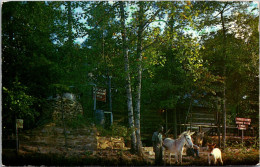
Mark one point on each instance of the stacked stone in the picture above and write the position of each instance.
(70, 108)
(50, 139)
(110, 142)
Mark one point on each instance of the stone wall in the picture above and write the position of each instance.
(50, 139)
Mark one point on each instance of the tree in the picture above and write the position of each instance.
(27, 65)
(223, 42)
(128, 81)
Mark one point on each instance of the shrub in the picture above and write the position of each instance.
(115, 130)
(119, 130)
(79, 122)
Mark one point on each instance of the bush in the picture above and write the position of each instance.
(18, 103)
(79, 122)
(119, 131)
(115, 130)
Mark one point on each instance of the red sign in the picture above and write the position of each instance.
(246, 123)
(238, 122)
(247, 120)
(243, 119)
(242, 126)
(242, 123)
(100, 94)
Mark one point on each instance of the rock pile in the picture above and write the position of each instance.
(70, 108)
(110, 142)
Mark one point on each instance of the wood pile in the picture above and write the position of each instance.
(70, 108)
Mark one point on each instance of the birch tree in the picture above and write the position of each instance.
(128, 79)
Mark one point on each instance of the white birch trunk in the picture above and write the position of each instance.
(128, 80)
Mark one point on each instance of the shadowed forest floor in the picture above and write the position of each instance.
(122, 158)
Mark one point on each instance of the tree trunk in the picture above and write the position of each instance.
(70, 40)
(175, 123)
(139, 79)
(224, 85)
(218, 105)
(188, 112)
(128, 81)
(171, 24)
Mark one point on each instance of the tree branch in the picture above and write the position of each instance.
(102, 18)
(150, 20)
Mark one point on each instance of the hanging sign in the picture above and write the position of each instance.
(100, 94)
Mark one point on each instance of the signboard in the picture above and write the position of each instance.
(19, 123)
(240, 128)
(242, 123)
(100, 94)
(238, 122)
(247, 123)
(243, 119)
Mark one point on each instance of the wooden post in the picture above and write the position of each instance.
(95, 101)
(17, 142)
(166, 126)
(110, 93)
(175, 123)
(200, 128)
(242, 136)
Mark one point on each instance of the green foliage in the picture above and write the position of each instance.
(88, 153)
(170, 103)
(115, 130)
(119, 131)
(246, 146)
(37, 49)
(241, 156)
(20, 104)
(79, 122)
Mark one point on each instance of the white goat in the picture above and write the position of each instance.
(215, 153)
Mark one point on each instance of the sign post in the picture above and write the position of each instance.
(19, 124)
(99, 94)
(242, 137)
(242, 124)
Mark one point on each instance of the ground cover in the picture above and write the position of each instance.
(232, 156)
